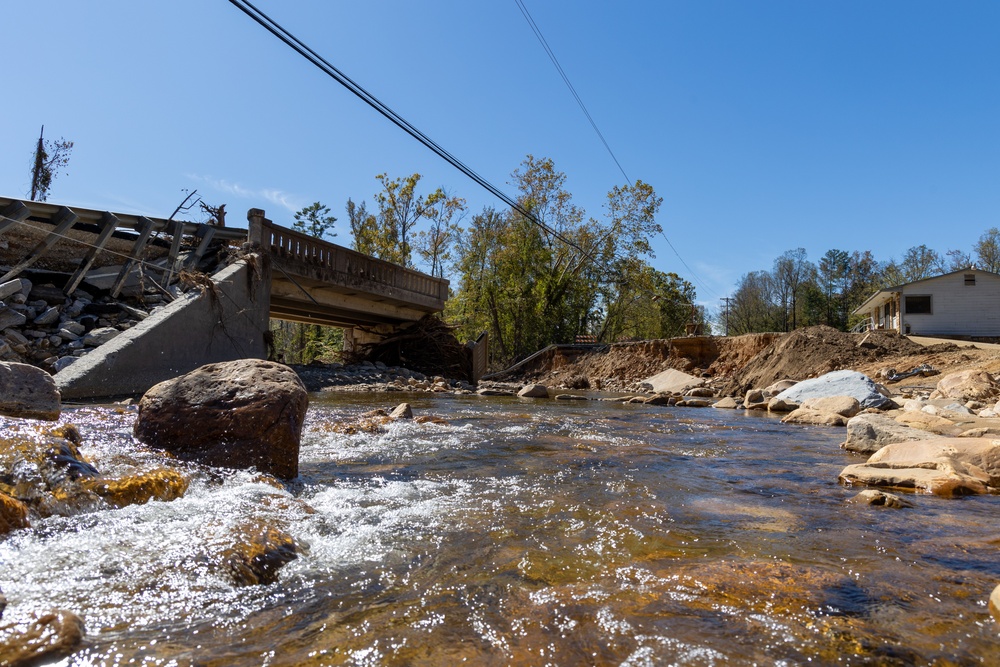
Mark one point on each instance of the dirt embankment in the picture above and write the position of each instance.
(739, 363)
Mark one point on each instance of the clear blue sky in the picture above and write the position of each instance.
(765, 125)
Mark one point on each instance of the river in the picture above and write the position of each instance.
(523, 533)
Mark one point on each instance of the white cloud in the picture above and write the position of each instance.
(272, 195)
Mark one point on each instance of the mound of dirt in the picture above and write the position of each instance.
(813, 351)
(739, 363)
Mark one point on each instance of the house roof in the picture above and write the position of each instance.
(886, 292)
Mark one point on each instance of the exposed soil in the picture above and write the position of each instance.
(737, 364)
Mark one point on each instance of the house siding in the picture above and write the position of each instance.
(957, 309)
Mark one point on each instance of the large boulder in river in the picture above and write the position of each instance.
(871, 431)
(671, 381)
(237, 414)
(41, 640)
(943, 466)
(838, 383)
(969, 385)
(28, 392)
(13, 514)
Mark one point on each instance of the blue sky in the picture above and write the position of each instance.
(765, 126)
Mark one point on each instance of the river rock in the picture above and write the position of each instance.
(814, 418)
(41, 640)
(11, 318)
(240, 414)
(869, 432)
(943, 466)
(534, 391)
(694, 403)
(727, 403)
(973, 384)
(926, 422)
(13, 514)
(161, 484)
(98, 337)
(754, 399)
(670, 381)
(845, 406)
(570, 397)
(780, 405)
(838, 383)
(12, 287)
(257, 554)
(28, 392)
(880, 499)
(776, 388)
(402, 411)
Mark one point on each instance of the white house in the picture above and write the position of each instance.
(964, 303)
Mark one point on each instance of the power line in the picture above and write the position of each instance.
(299, 47)
(555, 61)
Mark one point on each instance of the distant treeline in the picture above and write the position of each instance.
(797, 292)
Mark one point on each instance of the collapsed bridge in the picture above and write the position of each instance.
(271, 271)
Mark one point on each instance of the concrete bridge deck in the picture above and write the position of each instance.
(312, 281)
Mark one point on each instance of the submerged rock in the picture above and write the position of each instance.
(995, 604)
(41, 639)
(402, 411)
(258, 555)
(880, 499)
(13, 514)
(238, 414)
(534, 391)
(161, 484)
(28, 392)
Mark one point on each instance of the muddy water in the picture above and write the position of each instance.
(543, 533)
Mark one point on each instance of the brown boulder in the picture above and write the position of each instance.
(943, 466)
(28, 392)
(238, 414)
(258, 553)
(139, 489)
(13, 514)
(995, 604)
(845, 406)
(534, 391)
(814, 418)
(968, 385)
(40, 640)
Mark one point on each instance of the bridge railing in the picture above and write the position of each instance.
(307, 250)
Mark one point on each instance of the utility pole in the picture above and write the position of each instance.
(727, 299)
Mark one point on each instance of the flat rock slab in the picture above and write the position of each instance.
(869, 432)
(838, 383)
(671, 381)
(28, 392)
(943, 466)
(236, 414)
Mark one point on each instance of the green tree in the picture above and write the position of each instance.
(49, 158)
(434, 245)
(315, 220)
(833, 270)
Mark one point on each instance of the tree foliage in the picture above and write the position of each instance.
(49, 158)
(315, 220)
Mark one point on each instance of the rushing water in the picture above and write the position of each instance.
(529, 533)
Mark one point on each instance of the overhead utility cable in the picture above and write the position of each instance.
(555, 61)
(299, 47)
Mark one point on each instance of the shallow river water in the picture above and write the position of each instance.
(524, 533)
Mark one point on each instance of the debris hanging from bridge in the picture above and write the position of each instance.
(428, 345)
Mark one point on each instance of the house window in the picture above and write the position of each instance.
(916, 305)
(970, 278)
